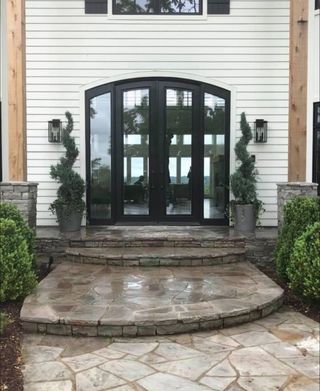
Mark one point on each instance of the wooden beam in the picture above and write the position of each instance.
(298, 90)
(16, 90)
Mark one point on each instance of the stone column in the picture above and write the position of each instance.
(293, 189)
(24, 196)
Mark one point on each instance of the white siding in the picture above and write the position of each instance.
(247, 50)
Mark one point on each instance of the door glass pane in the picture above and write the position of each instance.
(214, 157)
(178, 155)
(135, 130)
(100, 164)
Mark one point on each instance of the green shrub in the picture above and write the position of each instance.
(304, 267)
(10, 211)
(299, 212)
(16, 270)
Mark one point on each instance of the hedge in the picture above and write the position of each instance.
(299, 212)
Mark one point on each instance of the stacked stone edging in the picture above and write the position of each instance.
(24, 196)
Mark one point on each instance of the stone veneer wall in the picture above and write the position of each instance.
(260, 251)
(288, 190)
(24, 196)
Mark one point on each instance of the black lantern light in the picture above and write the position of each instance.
(54, 131)
(260, 131)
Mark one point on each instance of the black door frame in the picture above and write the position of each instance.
(157, 88)
(316, 151)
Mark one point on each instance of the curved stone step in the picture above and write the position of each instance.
(50, 240)
(96, 300)
(156, 256)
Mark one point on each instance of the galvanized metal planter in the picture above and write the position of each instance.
(70, 222)
(245, 221)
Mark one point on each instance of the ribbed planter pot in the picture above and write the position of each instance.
(69, 222)
(245, 221)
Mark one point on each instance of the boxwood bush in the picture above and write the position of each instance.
(10, 211)
(304, 267)
(16, 270)
(299, 212)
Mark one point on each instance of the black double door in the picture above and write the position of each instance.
(158, 152)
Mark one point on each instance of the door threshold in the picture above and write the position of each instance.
(155, 223)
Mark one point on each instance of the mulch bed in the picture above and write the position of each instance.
(10, 342)
(307, 308)
(10, 349)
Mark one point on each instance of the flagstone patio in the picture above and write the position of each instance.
(97, 300)
(279, 352)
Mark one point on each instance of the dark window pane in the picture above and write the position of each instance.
(218, 6)
(100, 126)
(96, 6)
(180, 6)
(134, 6)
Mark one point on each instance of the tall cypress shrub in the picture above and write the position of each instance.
(72, 186)
(243, 181)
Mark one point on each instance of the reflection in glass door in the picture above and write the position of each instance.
(178, 153)
(135, 131)
(214, 179)
(100, 152)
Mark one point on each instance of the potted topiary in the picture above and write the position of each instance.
(245, 208)
(69, 205)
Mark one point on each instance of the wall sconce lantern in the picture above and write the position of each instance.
(260, 131)
(54, 131)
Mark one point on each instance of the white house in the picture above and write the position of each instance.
(156, 89)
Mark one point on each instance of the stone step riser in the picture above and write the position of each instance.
(148, 262)
(45, 246)
(145, 243)
(149, 328)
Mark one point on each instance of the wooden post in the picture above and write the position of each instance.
(16, 90)
(298, 90)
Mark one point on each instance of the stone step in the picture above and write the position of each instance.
(98, 300)
(160, 241)
(51, 241)
(155, 256)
